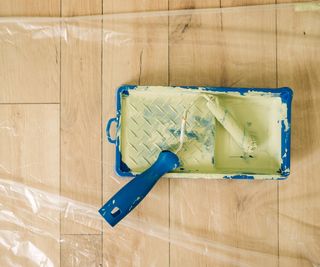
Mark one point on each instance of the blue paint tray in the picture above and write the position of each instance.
(148, 121)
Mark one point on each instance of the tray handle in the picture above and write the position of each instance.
(109, 123)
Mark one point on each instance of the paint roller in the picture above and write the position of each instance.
(129, 196)
(238, 132)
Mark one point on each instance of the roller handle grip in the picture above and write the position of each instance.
(129, 196)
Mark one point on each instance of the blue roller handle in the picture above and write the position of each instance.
(129, 196)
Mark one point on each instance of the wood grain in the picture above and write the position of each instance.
(234, 3)
(30, 70)
(29, 156)
(299, 209)
(293, 1)
(230, 221)
(81, 112)
(31, 8)
(81, 250)
(127, 6)
(192, 4)
(136, 54)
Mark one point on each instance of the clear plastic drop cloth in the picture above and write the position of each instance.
(58, 78)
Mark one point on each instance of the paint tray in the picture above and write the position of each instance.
(149, 120)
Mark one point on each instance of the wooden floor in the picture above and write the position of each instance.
(56, 95)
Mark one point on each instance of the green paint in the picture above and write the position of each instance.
(151, 122)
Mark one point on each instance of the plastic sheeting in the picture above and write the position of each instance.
(50, 191)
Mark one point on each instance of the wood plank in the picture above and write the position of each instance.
(233, 3)
(230, 221)
(31, 8)
(293, 1)
(29, 156)
(127, 6)
(178, 4)
(81, 111)
(298, 65)
(81, 7)
(81, 250)
(81, 131)
(29, 65)
(138, 55)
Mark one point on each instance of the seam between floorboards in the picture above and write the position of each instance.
(101, 128)
(169, 180)
(277, 85)
(60, 86)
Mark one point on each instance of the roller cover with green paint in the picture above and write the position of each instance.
(237, 132)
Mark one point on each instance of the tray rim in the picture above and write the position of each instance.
(285, 94)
